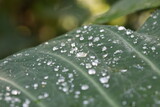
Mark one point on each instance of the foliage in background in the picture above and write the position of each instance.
(26, 23)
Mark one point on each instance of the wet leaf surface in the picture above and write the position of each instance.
(93, 66)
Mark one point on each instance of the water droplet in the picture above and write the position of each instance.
(95, 62)
(149, 86)
(73, 44)
(46, 77)
(81, 38)
(104, 79)
(124, 102)
(123, 70)
(78, 31)
(84, 87)
(81, 54)
(15, 92)
(85, 102)
(88, 65)
(96, 39)
(102, 30)
(153, 48)
(35, 85)
(85, 27)
(70, 75)
(91, 71)
(128, 32)
(54, 48)
(132, 36)
(104, 48)
(121, 28)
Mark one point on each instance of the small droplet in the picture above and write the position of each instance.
(123, 70)
(124, 102)
(96, 39)
(91, 71)
(102, 30)
(55, 48)
(84, 87)
(95, 62)
(78, 31)
(88, 65)
(85, 27)
(46, 77)
(153, 48)
(81, 38)
(132, 36)
(121, 28)
(85, 102)
(15, 92)
(128, 32)
(104, 48)
(81, 54)
(104, 79)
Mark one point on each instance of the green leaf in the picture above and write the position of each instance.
(151, 27)
(124, 7)
(93, 66)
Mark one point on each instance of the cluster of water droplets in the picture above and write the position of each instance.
(88, 55)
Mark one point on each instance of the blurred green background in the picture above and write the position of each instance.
(27, 23)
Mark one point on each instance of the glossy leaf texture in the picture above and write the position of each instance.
(93, 66)
(125, 7)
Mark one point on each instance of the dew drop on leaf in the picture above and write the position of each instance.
(91, 71)
(84, 87)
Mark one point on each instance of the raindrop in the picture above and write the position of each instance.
(96, 39)
(35, 86)
(81, 54)
(91, 71)
(81, 38)
(88, 65)
(104, 48)
(85, 102)
(121, 28)
(95, 62)
(54, 48)
(153, 48)
(123, 70)
(15, 92)
(104, 79)
(78, 31)
(84, 87)
(46, 77)
(85, 27)
(102, 30)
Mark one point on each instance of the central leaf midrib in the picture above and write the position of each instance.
(146, 59)
(81, 70)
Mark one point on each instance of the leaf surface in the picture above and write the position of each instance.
(93, 66)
